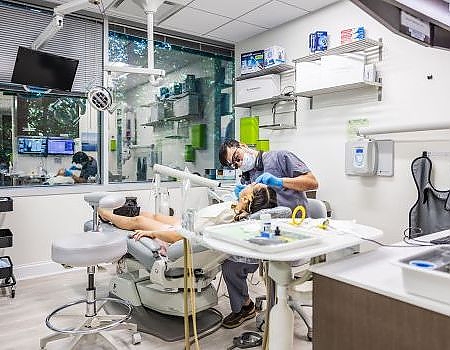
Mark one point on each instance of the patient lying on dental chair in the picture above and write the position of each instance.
(164, 228)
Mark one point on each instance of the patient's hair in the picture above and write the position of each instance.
(262, 197)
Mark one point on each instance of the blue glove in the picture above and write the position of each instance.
(269, 180)
(238, 189)
(67, 172)
(74, 167)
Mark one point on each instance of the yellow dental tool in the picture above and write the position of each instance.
(324, 225)
(294, 221)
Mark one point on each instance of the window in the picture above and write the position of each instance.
(39, 134)
(179, 124)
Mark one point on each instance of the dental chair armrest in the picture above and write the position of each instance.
(149, 243)
(176, 251)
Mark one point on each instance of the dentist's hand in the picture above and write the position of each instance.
(269, 180)
(67, 173)
(238, 189)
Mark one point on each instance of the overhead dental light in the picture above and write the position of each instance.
(101, 99)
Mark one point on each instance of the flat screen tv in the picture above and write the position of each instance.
(32, 145)
(60, 146)
(45, 70)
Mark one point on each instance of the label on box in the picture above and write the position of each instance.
(252, 61)
(352, 34)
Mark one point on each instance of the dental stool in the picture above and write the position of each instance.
(91, 249)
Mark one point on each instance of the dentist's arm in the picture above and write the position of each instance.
(304, 182)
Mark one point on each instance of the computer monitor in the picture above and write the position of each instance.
(32, 145)
(41, 69)
(60, 146)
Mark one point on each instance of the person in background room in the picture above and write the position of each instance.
(88, 168)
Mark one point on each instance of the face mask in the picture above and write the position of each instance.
(248, 162)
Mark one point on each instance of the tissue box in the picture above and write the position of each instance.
(252, 61)
(352, 34)
(274, 55)
(308, 76)
(343, 69)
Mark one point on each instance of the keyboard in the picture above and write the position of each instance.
(442, 240)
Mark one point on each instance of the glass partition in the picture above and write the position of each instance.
(39, 136)
(180, 123)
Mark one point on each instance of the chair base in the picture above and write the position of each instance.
(104, 336)
(93, 325)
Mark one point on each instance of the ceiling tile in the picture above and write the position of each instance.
(272, 14)
(309, 5)
(193, 20)
(236, 31)
(229, 8)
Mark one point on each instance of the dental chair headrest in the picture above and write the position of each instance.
(105, 200)
(276, 213)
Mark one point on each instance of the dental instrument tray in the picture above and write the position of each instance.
(428, 274)
(247, 235)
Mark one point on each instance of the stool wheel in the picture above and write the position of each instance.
(112, 324)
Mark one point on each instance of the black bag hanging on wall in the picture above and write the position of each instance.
(431, 212)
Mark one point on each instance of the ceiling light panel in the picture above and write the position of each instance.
(309, 5)
(273, 14)
(235, 31)
(228, 8)
(193, 20)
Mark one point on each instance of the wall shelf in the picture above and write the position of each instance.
(277, 69)
(271, 100)
(338, 88)
(278, 126)
(360, 45)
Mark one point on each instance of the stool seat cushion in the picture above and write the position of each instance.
(89, 248)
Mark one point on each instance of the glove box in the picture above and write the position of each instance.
(259, 88)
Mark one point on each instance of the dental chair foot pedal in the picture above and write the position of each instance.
(136, 338)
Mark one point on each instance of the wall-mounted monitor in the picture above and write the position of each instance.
(60, 146)
(41, 69)
(32, 145)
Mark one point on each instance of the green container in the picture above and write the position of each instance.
(198, 136)
(249, 130)
(189, 153)
(263, 145)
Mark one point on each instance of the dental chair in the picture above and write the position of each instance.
(152, 282)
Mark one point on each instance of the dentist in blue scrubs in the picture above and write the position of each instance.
(289, 176)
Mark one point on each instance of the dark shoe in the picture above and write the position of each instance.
(234, 320)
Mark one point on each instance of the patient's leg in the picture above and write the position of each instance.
(132, 223)
(165, 219)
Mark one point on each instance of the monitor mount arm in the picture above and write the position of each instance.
(57, 21)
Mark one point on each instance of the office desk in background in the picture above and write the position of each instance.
(359, 304)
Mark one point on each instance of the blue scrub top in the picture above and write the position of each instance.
(283, 164)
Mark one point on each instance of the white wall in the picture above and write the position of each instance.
(408, 97)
